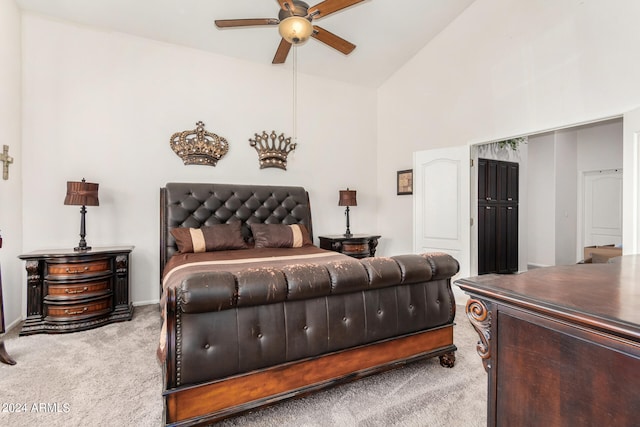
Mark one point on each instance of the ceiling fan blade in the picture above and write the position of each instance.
(332, 40)
(285, 4)
(282, 52)
(329, 6)
(227, 23)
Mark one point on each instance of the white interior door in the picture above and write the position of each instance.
(441, 220)
(631, 183)
(602, 196)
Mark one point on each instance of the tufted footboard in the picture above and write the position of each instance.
(265, 334)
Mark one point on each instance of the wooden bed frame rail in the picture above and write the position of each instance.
(216, 400)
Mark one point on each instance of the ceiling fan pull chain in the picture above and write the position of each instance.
(295, 93)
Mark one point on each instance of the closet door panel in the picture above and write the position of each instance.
(487, 219)
(506, 239)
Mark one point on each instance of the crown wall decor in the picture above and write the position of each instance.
(272, 149)
(198, 146)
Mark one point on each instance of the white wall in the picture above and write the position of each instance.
(541, 230)
(600, 146)
(10, 190)
(103, 106)
(566, 196)
(504, 68)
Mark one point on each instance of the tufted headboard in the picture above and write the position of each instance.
(197, 204)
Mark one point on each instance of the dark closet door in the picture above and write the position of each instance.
(497, 216)
(487, 239)
(507, 239)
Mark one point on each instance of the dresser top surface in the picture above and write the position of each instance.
(606, 296)
(69, 252)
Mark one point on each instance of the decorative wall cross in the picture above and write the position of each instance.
(6, 161)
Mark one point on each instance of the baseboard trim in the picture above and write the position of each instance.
(149, 302)
(13, 324)
(531, 266)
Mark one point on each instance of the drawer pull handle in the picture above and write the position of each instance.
(76, 312)
(76, 291)
(76, 270)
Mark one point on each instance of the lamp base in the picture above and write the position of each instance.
(347, 233)
(82, 244)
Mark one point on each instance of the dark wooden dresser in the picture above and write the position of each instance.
(356, 245)
(561, 345)
(69, 291)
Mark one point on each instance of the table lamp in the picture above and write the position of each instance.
(82, 194)
(347, 198)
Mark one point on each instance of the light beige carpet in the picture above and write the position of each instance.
(109, 376)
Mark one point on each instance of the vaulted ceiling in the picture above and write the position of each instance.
(387, 33)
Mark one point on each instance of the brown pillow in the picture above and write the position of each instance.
(219, 237)
(280, 236)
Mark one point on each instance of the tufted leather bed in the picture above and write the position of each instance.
(252, 325)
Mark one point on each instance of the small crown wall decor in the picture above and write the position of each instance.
(272, 149)
(198, 146)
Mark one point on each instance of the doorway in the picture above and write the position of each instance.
(551, 202)
(606, 139)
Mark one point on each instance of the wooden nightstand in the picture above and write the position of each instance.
(69, 291)
(356, 245)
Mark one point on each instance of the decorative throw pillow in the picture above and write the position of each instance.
(280, 236)
(219, 237)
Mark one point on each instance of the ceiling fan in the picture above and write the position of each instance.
(295, 24)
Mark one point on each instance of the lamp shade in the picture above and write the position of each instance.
(295, 29)
(347, 198)
(81, 194)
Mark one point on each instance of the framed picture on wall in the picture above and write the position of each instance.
(405, 182)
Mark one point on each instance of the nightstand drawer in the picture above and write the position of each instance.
(68, 291)
(65, 270)
(355, 248)
(65, 312)
(354, 245)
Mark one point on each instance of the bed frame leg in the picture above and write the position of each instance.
(448, 359)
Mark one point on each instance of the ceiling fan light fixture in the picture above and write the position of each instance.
(295, 29)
